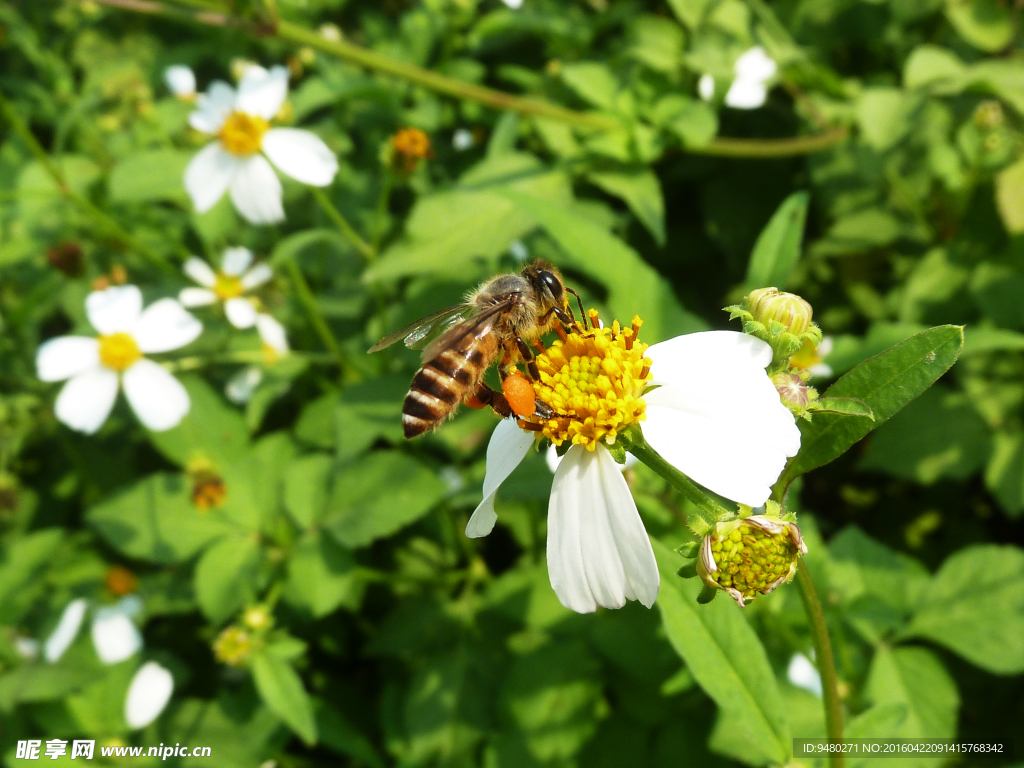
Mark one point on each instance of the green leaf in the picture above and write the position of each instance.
(997, 289)
(916, 679)
(22, 559)
(282, 691)
(886, 115)
(934, 68)
(728, 662)
(657, 42)
(337, 733)
(212, 429)
(1004, 475)
(225, 578)
(859, 566)
(777, 249)
(593, 82)
(1010, 197)
(305, 488)
(37, 190)
(848, 406)
(886, 382)
(640, 189)
(320, 576)
(985, 24)
(690, 12)
(152, 174)
(633, 285)
(694, 122)
(155, 520)
(378, 495)
(975, 607)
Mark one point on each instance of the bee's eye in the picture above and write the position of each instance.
(552, 284)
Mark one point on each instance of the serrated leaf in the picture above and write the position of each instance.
(282, 691)
(886, 382)
(728, 662)
(777, 249)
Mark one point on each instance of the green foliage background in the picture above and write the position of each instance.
(396, 640)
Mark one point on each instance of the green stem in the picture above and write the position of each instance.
(316, 317)
(368, 251)
(255, 356)
(298, 35)
(823, 657)
(102, 220)
(710, 509)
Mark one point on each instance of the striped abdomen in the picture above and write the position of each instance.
(442, 383)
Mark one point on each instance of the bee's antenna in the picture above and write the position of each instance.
(580, 302)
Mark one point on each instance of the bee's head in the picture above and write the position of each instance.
(546, 281)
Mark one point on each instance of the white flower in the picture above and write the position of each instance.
(114, 635)
(552, 459)
(181, 82)
(229, 285)
(242, 385)
(803, 674)
(94, 366)
(513, 4)
(749, 89)
(715, 415)
(272, 333)
(462, 139)
(148, 694)
(519, 251)
(238, 160)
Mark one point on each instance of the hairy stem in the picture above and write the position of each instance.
(316, 317)
(824, 658)
(347, 230)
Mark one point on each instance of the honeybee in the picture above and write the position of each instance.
(499, 318)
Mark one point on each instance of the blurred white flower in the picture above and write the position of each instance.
(272, 334)
(519, 251)
(27, 648)
(242, 385)
(95, 366)
(513, 3)
(181, 82)
(148, 694)
(803, 674)
(114, 634)
(462, 139)
(553, 460)
(751, 74)
(229, 285)
(238, 160)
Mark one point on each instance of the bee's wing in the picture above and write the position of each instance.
(479, 324)
(419, 333)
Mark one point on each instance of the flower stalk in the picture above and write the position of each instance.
(316, 317)
(368, 252)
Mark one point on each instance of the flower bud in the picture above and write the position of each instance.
(257, 618)
(769, 304)
(750, 557)
(232, 646)
(793, 390)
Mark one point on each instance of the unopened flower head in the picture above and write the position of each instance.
(232, 646)
(594, 382)
(120, 581)
(770, 305)
(237, 162)
(257, 618)
(409, 146)
(750, 557)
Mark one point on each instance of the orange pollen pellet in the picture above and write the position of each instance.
(520, 394)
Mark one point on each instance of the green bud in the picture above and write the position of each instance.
(750, 557)
(233, 646)
(767, 305)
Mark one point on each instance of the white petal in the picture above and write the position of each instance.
(240, 387)
(214, 107)
(802, 674)
(256, 191)
(114, 310)
(114, 635)
(197, 297)
(158, 399)
(301, 155)
(66, 631)
(721, 352)
(209, 175)
(261, 92)
(821, 371)
(598, 550)
(165, 325)
(755, 65)
(825, 347)
(65, 356)
(181, 81)
(257, 276)
(508, 446)
(553, 459)
(272, 333)
(746, 94)
(148, 694)
(706, 87)
(200, 271)
(462, 139)
(86, 400)
(513, 4)
(726, 428)
(236, 261)
(240, 311)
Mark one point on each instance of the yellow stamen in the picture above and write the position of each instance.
(594, 382)
(118, 351)
(242, 134)
(228, 286)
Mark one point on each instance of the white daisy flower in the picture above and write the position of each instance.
(229, 285)
(114, 634)
(148, 694)
(95, 366)
(272, 334)
(462, 139)
(238, 160)
(751, 74)
(513, 4)
(181, 82)
(711, 394)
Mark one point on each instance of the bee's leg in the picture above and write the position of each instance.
(527, 354)
(485, 396)
(563, 317)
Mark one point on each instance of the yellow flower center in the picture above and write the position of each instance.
(594, 382)
(118, 351)
(806, 357)
(228, 286)
(242, 134)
